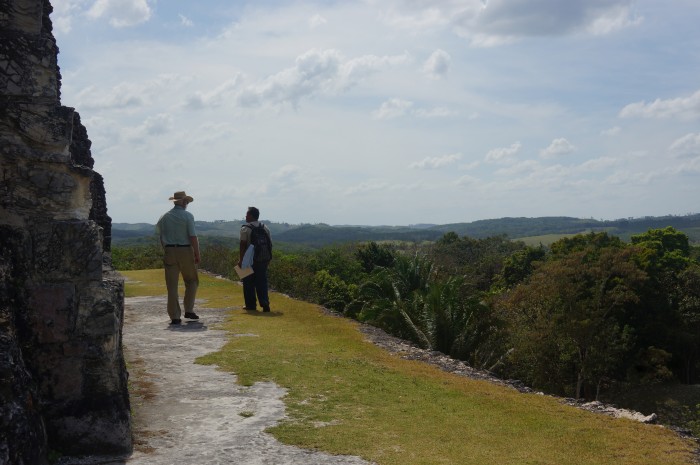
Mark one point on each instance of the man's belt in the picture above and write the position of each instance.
(177, 245)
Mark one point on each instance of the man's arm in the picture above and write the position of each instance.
(194, 242)
(243, 246)
(159, 233)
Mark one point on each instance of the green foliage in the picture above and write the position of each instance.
(519, 265)
(340, 261)
(409, 300)
(591, 243)
(333, 292)
(448, 238)
(372, 255)
(218, 258)
(667, 239)
(293, 274)
(567, 320)
(480, 261)
(390, 299)
(141, 257)
(461, 325)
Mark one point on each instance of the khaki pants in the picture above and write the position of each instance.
(180, 260)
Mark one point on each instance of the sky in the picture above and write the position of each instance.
(388, 112)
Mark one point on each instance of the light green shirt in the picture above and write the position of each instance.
(176, 227)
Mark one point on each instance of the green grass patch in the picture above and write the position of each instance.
(346, 396)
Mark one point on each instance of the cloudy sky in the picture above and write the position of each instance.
(388, 111)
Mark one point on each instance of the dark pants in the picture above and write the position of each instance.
(256, 284)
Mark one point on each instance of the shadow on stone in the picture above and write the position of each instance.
(188, 326)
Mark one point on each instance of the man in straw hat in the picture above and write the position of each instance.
(181, 255)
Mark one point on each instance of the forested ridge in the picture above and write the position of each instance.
(589, 316)
(320, 234)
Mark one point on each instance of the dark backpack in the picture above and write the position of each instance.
(262, 243)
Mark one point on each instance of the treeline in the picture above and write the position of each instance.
(320, 235)
(588, 314)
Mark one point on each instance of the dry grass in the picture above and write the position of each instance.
(346, 396)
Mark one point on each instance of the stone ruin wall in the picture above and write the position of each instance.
(63, 382)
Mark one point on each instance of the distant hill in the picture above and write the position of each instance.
(318, 235)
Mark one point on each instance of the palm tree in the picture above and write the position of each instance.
(407, 301)
(392, 299)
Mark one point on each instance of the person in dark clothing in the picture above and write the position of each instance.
(255, 284)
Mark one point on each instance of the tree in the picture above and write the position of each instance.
(518, 266)
(391, 299)
(566, 319)
(666, 318)
(372, 255)
(461, 325)
(333, 292)
(480, 261)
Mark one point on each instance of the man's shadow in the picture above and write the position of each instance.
(188, 326)
(263, 314)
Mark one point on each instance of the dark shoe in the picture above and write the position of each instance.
(191, 315)
(266, 308)
(250, 309)
(176, 321)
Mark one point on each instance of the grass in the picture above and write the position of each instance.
(346, 396)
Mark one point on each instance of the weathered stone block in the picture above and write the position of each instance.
(60, 378)
(22, 435)
(52, 312)
(68, 250)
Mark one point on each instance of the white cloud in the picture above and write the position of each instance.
(158, 124)
(468, 181)
(503, 153)
(436, 112)
(152, 126)
(438, 64)
(396, 108)
(557, 148)
(314, 72)
(185, 21)
(371, 185)
(684, 108)
(435, 162)
(316, 21)
(216, 96)
(687, 146)
(122, 95)
(613, 131)
(629, 178)
(128, 94)
(64, 13)
(494, 22)
(393, 108)
(469, 166)
(617, 17)
(355, 70)
(121, 13)
(410, 16)
(598, 164)
(520, 168)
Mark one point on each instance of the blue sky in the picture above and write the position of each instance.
(388, 111)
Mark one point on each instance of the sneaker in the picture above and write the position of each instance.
(176, 321)
(266, 308)
(250, 309)
(191, 315)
